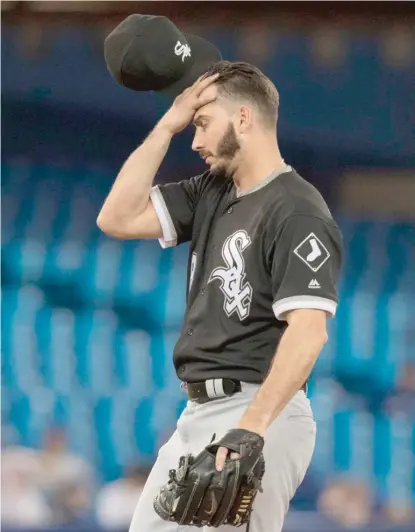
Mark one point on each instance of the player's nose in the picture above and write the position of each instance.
(197, 144)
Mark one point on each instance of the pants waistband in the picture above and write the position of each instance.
(211, 389)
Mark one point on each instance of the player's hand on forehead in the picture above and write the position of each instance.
(183, 110)
(198, 91)
(203, 82)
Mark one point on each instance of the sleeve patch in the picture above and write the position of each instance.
(312, 252)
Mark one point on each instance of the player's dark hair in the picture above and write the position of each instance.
(245, 81)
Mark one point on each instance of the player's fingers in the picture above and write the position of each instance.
(202, 84)
(204, 101)
(235, 456)
(221, 458)
(183, 94)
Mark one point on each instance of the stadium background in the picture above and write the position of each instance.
(89, 323)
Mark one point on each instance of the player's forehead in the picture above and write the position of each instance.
(205, 112)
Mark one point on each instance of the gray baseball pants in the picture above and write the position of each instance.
(289, 445)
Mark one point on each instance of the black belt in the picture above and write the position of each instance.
(209, 390)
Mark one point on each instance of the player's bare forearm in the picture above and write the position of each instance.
(296, 355)
(131, 190)
(123, 213)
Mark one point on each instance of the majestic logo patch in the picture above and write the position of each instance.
(237, 292)
(313, 252)
(314, 284)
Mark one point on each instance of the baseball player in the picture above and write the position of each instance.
(265, 255)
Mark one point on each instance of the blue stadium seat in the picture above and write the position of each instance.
(145, 439)
(20, 417)
(100, 273)
(24, 260)
(394, 453)
(327, 396)
(64, 262)
(139, 270)
(76, 410)
(59, 354)
(106, 451)
(133, 363)
(21, 344)
(95, 334)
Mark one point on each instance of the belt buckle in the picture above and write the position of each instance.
(183, 386)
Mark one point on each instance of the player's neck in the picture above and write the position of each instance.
(257, 163)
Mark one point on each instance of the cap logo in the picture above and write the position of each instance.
(183, 50)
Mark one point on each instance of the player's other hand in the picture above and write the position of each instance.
(184, 107)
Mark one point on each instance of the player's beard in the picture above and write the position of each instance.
(226, 151)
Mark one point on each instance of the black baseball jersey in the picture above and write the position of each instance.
(253, 257)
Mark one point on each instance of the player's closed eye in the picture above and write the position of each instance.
(201, 123)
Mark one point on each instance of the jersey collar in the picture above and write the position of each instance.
(274, 174)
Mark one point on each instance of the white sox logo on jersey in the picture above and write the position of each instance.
(238, 294)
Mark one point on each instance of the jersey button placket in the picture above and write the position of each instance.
(230, 210)
(190, 332)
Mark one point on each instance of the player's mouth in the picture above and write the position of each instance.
(206, 157)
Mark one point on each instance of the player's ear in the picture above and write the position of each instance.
(245, 118)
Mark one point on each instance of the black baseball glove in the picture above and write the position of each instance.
(199, 495)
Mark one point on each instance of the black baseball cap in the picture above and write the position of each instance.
(148, 52)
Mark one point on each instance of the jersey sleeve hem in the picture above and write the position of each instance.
(296, 302)
(169, 238)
